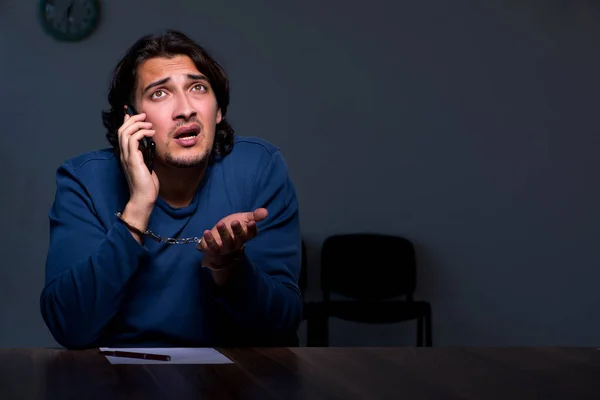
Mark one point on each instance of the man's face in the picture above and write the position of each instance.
(181, 105)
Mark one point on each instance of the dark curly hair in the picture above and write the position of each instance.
(168, 44)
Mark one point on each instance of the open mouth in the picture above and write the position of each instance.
(187, 134)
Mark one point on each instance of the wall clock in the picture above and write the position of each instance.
(69, 20)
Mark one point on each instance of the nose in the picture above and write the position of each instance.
(183, 108)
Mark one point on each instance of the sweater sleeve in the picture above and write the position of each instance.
(262, 297)
(87, 266)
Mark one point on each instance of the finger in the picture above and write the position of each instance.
(134, 128)
(122, 140)
(251, 230)
(126, 113)
(239, 234)
(128, 121)
(131, 119)
(130, 125)
(123, 144)
(258, 215)
(135, 155)
(226, 238)
(211, 243)
(202, 244)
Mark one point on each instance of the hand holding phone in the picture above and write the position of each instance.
(147, 145)
(134, 134)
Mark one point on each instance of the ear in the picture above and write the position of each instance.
(219, 116)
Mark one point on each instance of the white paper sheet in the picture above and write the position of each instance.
(179, 355)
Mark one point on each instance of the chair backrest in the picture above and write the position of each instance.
(368, 266)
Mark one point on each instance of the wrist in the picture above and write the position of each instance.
(221, 276)
(140, 206)
(138, 214)
(223, 267)
(137, 217)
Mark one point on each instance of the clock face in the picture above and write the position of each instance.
(69, 20)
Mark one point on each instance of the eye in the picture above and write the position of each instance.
(200, 87)
(158, 94)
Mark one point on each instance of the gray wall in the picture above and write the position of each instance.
(466, 126)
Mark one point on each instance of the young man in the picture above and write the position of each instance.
(113, 278)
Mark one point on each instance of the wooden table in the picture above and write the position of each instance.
(311, 373)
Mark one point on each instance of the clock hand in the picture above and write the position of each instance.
(69, 9)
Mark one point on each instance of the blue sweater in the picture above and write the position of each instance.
(103, 288)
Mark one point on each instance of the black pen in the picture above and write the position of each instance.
(143, 356)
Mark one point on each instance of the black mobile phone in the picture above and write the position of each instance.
(147, 146)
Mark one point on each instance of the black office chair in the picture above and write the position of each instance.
(307, 306)
(303, 273)
(310, 309)
(371, 270)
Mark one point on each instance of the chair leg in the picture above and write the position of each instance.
(420, 331)
(317, 327)
(428, 339)
(322, 327)
(318, 333)
(324, 323)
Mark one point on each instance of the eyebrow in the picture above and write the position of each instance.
(193, 77)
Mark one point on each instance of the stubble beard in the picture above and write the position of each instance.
(194, 161)
(191, 161)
